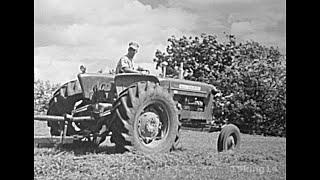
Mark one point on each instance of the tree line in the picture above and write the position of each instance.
(250, 76)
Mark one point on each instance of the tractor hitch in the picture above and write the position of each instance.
(67, 118)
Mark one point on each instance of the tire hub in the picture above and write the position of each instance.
(148, 126)
(230, 142)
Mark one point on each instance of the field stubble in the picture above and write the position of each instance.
(259, 158)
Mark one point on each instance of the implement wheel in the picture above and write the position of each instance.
(229, 138)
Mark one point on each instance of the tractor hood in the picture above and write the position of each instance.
(187, 87)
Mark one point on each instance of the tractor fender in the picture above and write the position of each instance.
(124, 80)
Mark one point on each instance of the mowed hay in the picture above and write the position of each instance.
(259, 157)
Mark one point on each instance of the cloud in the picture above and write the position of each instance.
(96, 33)
(241, 28)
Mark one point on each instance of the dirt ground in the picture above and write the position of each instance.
(259, 158)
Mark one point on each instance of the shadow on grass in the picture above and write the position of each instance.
(82, 148)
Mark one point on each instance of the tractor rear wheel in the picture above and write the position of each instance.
(146, 119)
(229, 138)
(58, 106)
(54, 126)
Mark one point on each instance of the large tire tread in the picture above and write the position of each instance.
(129, 103)
(58, 106)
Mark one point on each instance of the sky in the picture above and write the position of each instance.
(96, 33)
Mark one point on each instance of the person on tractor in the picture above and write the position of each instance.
(126, 64)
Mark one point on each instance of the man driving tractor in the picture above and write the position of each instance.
(126, 64)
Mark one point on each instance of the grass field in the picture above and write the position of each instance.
(259, 158)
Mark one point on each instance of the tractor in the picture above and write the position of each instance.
(141, 112)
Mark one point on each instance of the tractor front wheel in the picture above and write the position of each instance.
(229, 138)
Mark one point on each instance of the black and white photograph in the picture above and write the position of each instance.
(160, 89)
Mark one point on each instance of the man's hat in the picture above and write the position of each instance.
(134, 45)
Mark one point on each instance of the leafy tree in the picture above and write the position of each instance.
(251, 77)
(43, 91)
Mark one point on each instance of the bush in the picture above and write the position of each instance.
(43, 91)
(251, 77)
